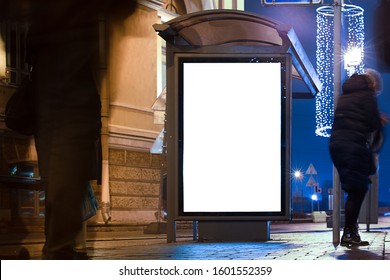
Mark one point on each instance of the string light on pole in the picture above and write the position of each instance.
(353, 58)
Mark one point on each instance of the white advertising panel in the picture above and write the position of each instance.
(231, 129)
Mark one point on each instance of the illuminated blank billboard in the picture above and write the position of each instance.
(233, 135)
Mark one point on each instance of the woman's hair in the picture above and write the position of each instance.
(374, 79)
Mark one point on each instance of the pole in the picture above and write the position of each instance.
(302, 205)
(368, 213)
(312, 207)
(104, 97)
(337, 85)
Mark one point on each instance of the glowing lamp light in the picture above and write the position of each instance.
(314, 197)
(352, 57)
(298, 174)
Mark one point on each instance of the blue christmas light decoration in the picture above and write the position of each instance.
(353, 51)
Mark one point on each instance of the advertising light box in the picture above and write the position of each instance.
(233, 135)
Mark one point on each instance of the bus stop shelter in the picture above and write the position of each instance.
(228, 36)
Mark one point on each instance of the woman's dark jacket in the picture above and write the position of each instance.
(356, 117)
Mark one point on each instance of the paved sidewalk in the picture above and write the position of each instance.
(301, 241)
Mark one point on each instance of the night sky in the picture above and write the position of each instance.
(307, 148)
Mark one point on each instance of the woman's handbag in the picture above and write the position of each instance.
(377, 140)
(90, 204)
(20, 109)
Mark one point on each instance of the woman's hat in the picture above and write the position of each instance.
(376, 79)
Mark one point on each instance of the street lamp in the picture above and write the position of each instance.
(353, 57)
(298, 176)
(314, 197)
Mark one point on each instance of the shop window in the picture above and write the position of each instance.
(14, 37)
(31, 203)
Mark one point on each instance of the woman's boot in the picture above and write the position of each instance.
(351, 237)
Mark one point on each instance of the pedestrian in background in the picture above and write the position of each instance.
(62, 47)
(356, 118)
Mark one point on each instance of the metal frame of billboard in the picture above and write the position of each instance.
(177, 142)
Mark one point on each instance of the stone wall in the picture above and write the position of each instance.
(131, 86)
(134, 187)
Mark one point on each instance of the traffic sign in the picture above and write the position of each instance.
(311, 170)
(292, 2)
(311, 182)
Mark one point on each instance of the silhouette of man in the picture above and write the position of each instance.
(62, 47)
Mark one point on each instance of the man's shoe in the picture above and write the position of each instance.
(81, 256)
(15, 254)
(61, 256)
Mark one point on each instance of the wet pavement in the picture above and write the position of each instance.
(288, 241)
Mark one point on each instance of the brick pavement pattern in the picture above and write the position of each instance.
(312, 245)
